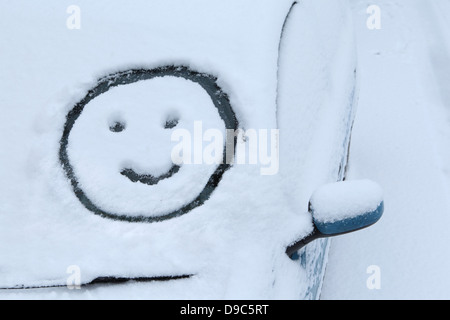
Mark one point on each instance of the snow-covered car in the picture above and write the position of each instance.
(117, 125)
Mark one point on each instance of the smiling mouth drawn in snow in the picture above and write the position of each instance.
(116, 146)
(149, 179)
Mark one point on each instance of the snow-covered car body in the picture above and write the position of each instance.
(282, 65)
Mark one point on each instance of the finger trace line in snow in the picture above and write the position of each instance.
(149, 179)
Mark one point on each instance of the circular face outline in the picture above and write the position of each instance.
(208, 82)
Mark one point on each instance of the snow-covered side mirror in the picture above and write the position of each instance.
(348, 206)
(342, 207)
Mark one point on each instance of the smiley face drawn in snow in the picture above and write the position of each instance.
(116, 145)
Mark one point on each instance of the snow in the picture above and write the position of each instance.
(400, 140)
(234, 244)
(144, 146)
(317, 91)
(344, 200)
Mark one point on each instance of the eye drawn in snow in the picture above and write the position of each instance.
(116, 145)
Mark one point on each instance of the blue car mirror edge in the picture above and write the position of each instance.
(337, 228)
